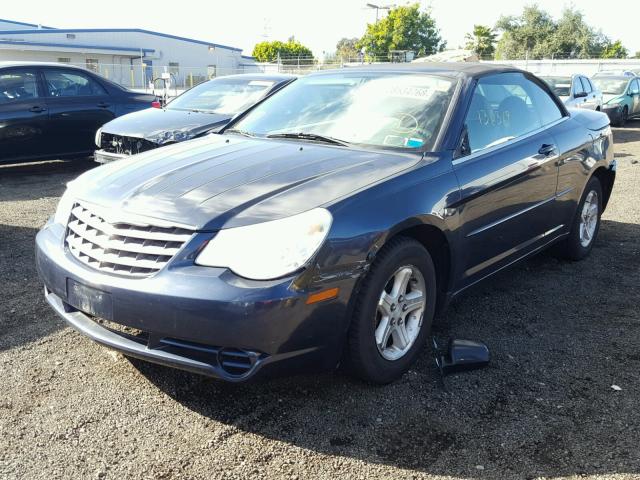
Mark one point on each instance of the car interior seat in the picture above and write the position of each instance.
(479, 123)
(516, 117)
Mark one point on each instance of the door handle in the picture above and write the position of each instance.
(547, 149)
(103, 105)
(37, 109)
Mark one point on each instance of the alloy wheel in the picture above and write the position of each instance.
(399, 312)
(589, 218)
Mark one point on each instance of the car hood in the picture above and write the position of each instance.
(608, 97)
(162, 125)
(223, 181)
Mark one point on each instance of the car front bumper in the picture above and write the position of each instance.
(613, 112)
(102, 156)
(205, 320)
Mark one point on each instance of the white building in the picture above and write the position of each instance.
(130, 56)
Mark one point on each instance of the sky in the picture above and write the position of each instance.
(318, 25)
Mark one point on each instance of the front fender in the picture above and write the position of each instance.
(364, 222)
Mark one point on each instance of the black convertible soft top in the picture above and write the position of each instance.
(453, 69)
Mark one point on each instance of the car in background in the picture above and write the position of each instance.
(621, 96)
(575, 91)
(616, 73)
(200, 110)
(52, 110)
(329, 223)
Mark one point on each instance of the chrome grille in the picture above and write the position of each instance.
(122, 248)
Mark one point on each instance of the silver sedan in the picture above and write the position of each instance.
(575, 91)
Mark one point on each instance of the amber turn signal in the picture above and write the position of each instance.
(323, 295)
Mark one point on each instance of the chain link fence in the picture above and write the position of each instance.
(153, 78)
(147, 77)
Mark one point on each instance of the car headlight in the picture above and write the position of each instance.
(170, 136)
(98, 138)
(63, 212)
(268, 250)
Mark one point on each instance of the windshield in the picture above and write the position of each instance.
(223, 96)
(561, 86)
(396, 110)
(610, 86)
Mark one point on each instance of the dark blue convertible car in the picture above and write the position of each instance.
(329, 223)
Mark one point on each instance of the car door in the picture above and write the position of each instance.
(577, 93)
(78, 106)
(507, 173)
(597, 95)
(589, 100)
(634, 92)
(23, 114)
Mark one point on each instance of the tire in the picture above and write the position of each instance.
(365, 358)
(578, 245)
(624, 116)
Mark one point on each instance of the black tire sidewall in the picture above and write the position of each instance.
(365, 359)
(575, 249)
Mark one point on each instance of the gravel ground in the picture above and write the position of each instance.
(561, 335)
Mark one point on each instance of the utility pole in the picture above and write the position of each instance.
(142, 75)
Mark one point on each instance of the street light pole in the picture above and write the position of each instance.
(379, 7)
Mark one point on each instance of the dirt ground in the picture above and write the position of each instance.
(561, 335)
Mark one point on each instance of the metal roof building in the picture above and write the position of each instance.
(130, 56)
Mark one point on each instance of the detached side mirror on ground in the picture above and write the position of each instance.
(461, 356)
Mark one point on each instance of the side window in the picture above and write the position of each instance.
(16, 85)
(67, 83)
(635, 87)
(504, 107)
(577, 87)
(586, 85)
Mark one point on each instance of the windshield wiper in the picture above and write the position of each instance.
(310, 136)
(244, 133)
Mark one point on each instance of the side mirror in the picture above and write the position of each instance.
(580, 95)
(463, 355)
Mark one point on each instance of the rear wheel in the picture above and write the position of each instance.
(393, 313)
(586, 223)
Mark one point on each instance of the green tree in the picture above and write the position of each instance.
(574, 38)
(481, 41)
(529, 34)
(404, 28)
(615, 50)
(347, 48)
(535, 34)
(268, 51)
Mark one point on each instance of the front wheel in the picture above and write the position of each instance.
(586, 223)
(623, 117)
(393, 312)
